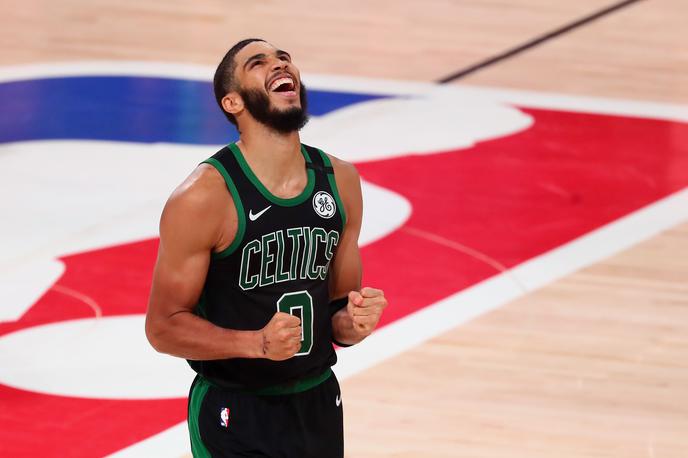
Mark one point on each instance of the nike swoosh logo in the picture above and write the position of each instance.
(253, 217)
(338, 401)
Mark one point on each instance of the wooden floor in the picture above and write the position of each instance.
(639, 51)
(593, 365)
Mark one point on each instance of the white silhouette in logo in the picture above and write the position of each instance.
(224, 417)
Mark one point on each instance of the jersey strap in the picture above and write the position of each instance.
(319, 167)
(222, 161)
(320, 162)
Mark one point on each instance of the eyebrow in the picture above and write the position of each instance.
(252, 58)
(279, 53)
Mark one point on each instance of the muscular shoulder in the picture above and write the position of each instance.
(201, 191)
(349, 186)
(198, 203)
(345, 173)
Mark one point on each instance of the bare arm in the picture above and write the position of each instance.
(191, 226)
(357, 320)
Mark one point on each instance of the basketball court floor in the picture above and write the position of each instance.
(525, 173)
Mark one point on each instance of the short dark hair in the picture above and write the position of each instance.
(224, 82)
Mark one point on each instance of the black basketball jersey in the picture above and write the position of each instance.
(279, 261)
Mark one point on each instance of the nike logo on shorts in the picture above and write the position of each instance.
(254, 217)
(338, 401)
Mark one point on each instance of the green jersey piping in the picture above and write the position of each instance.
(294, 387)
(290, 202)
(241, 228)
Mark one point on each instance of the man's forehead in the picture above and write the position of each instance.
(253, 48)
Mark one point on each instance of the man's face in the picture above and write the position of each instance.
(270, 86)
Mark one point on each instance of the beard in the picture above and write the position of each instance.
(286, 121)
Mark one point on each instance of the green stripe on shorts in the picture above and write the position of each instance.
(198, 393)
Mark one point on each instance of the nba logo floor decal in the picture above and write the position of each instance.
(459, 185)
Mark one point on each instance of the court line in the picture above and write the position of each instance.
(465, 249)
(412, 330)
(534, 42)
(81, 297)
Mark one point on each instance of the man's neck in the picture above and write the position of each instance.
(264, 143)
(274, 157)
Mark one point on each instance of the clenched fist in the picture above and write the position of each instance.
(281, 337)
(365, 309)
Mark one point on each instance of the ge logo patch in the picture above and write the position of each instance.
(324, 205)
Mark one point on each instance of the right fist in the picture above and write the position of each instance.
(281, 337)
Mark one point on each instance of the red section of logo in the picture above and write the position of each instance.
(511, 198)
(224, 417)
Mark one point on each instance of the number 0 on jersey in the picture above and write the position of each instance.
(300, 304)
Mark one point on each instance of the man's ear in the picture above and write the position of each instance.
(232, 103)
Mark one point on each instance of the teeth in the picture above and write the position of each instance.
(280, 81)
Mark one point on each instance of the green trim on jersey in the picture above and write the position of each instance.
(333, 185)
(239, 209)
(297, 387)
(198, 448)
(292, 201)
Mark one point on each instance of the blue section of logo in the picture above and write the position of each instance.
(126, 108)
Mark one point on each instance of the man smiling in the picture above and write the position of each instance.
(259, 271)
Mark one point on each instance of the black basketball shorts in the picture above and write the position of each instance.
(305, 424)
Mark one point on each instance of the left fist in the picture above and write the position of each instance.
(365, 309)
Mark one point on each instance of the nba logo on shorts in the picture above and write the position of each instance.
(224, 417)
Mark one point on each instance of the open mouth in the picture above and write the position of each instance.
(283, 84)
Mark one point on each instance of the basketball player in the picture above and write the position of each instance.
(259, 271)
